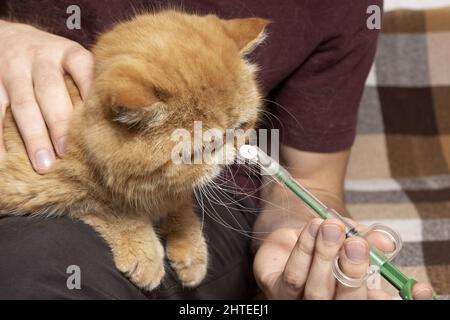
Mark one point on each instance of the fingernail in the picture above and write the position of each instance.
(313, 228)
(356, 251)
(44, 159)
(424, 294)
(331, 233)
(61, 146)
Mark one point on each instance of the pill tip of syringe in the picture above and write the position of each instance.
(248, 152)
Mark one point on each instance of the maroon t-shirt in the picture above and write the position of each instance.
(313, 64)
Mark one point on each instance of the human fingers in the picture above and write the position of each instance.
(321, 283)
(422, 291)
(378, 294)
(29, 120)
(79, 63)
(291, 282)
(354, 263)
(54, 101)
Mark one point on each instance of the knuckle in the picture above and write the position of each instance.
(78, 54)
(37, 140)
(358, 241)
(354, 270)
(24, 104)
(318, 221)
(326, 256)
(356, 273)
(292, 280)
(304, 247)
(48, 80)
(315, 295)
(335, 222)
(39, 53)
(59, 124)
(11, 63)
(265, 282)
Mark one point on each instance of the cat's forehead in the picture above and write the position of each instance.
(170, 37)
(200, 34)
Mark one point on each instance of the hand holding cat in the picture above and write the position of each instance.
(32, 68)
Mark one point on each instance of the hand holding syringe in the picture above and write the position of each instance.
(381, 260)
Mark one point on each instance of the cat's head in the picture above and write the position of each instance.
(158, 74)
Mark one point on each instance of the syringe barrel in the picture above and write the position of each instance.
(318, 208)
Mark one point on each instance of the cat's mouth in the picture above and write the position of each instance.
(223, 156)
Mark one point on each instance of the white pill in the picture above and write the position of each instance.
(248, 152)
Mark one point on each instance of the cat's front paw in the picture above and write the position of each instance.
(141, 262)
(189, 260)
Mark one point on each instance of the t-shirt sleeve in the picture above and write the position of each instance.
(320, 99)
(3, 10)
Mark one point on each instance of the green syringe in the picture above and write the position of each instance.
(377, 258)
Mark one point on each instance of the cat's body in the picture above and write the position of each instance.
(153, 74)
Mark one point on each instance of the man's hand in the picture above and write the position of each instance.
(297, 264)
(295, 260)
(32, 65)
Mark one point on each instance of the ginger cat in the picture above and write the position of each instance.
(153, 74)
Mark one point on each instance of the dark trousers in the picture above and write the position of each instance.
(35, 253)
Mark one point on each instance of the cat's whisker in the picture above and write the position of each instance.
(285, 110)
(207, 189)
(269, 116)
(252, 196)
(227, 209)
(216, 217)
(275, 208)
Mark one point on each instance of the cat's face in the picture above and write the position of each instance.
(157, 75)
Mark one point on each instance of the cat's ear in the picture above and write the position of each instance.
(248, 33)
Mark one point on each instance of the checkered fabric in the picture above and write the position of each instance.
(399, 172)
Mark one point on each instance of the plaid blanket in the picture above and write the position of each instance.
(399, 172)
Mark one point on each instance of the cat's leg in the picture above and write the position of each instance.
(186, 247)
(136, 249)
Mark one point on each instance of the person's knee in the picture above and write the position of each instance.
(57, 258)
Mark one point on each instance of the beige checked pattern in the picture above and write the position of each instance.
(399, 172)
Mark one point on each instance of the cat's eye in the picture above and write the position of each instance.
(119, 110)
(162, 94)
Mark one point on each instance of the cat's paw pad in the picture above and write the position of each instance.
(190, 261)
(144, 266)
